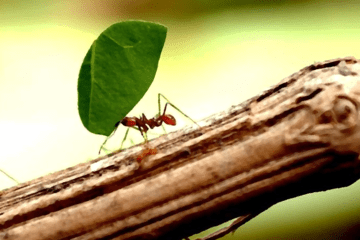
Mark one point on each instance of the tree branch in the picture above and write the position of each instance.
(300, 136)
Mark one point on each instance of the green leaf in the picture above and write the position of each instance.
(117, 71)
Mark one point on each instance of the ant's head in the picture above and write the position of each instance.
(169, 119)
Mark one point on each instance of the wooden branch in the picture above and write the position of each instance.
(300, 136)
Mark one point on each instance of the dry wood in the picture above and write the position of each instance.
(300, 136)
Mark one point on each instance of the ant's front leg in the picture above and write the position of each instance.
(168, 102)
(126, 133)
(113, 132)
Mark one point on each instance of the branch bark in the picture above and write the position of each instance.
(300, 136)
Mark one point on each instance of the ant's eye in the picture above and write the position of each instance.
(168, 119)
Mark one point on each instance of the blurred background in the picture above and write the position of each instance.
(217, 54)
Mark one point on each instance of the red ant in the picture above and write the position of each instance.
(143, 124)
(145, 153)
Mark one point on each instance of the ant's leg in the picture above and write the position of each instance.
(5, 173)
(159, 102)
(143, 134)
(126, 133)
(145, 137)
(168, 102)
(160, 109)
(102, 145)
(106, 150)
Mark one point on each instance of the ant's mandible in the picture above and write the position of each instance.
(143, 124)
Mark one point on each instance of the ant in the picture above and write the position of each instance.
(143, 124)
(145, 153)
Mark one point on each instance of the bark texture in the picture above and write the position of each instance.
(300, 136)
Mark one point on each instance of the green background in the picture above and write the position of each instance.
(217, 54)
